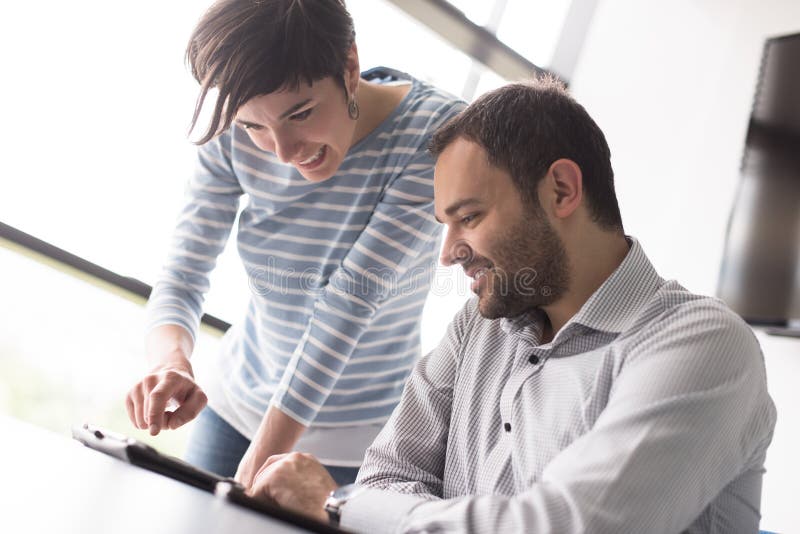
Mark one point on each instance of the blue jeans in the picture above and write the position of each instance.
(216, 446)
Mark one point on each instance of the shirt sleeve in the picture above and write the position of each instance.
(401, 233)
(408, 456)
(203, 228)
(688, 414)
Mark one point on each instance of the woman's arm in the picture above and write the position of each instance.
(175, 305)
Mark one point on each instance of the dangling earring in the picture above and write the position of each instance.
(352, 108)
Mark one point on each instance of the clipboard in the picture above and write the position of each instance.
(140, 454)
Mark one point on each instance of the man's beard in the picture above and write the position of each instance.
(530, 269)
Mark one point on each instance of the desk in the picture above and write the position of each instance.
(53, 484)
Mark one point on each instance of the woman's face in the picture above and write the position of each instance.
(309, 128)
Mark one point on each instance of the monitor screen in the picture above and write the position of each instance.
(760, 274)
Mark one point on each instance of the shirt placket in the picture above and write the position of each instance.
(527, 362)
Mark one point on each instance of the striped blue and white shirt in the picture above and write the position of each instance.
(648, 411)
(339, 272)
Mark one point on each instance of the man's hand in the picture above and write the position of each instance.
(295, 481)
(148, 400)
(277, 434)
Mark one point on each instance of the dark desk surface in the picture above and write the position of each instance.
(53, 484)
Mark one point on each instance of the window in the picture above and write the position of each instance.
(96, 161)
(70, 351)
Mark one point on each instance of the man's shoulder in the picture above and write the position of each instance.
(696, 343)
(674, 304)
(677, 317)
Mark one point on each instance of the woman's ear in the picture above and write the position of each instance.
(564, 187)
(352, 71)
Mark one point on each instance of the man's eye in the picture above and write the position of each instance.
(303, 115)
(468, 219)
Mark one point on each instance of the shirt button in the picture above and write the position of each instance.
(507, 427)
(534, 359)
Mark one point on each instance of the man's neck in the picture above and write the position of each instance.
(593, 259)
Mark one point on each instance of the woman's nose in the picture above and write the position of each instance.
(282, 145)
(285, 146)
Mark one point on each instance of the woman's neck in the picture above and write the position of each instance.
(376, 102)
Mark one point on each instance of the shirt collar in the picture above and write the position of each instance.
(614, 306)
(618, 301)
(528, 325)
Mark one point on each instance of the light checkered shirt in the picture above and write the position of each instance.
(648, 412)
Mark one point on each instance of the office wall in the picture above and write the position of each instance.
(671, 84)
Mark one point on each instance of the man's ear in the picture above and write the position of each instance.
(352, 71)
(564, 187)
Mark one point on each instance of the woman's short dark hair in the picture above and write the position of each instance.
(525, 127)
(247, 48)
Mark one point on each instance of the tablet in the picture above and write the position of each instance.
(142, 455)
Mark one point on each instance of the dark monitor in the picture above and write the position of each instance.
(760, 274)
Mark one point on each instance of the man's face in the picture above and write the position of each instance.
(308, 128)
(509, 249)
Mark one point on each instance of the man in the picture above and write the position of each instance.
(579, 391)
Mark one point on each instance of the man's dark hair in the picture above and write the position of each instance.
(248, 48)
(525, 127)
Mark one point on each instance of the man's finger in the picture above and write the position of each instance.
(261, 480)
(275, 458)
(269, 461)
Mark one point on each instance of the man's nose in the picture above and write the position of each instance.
(455, 251)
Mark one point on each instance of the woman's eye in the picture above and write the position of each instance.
(303, 115)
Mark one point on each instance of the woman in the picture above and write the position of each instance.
(337, 236)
